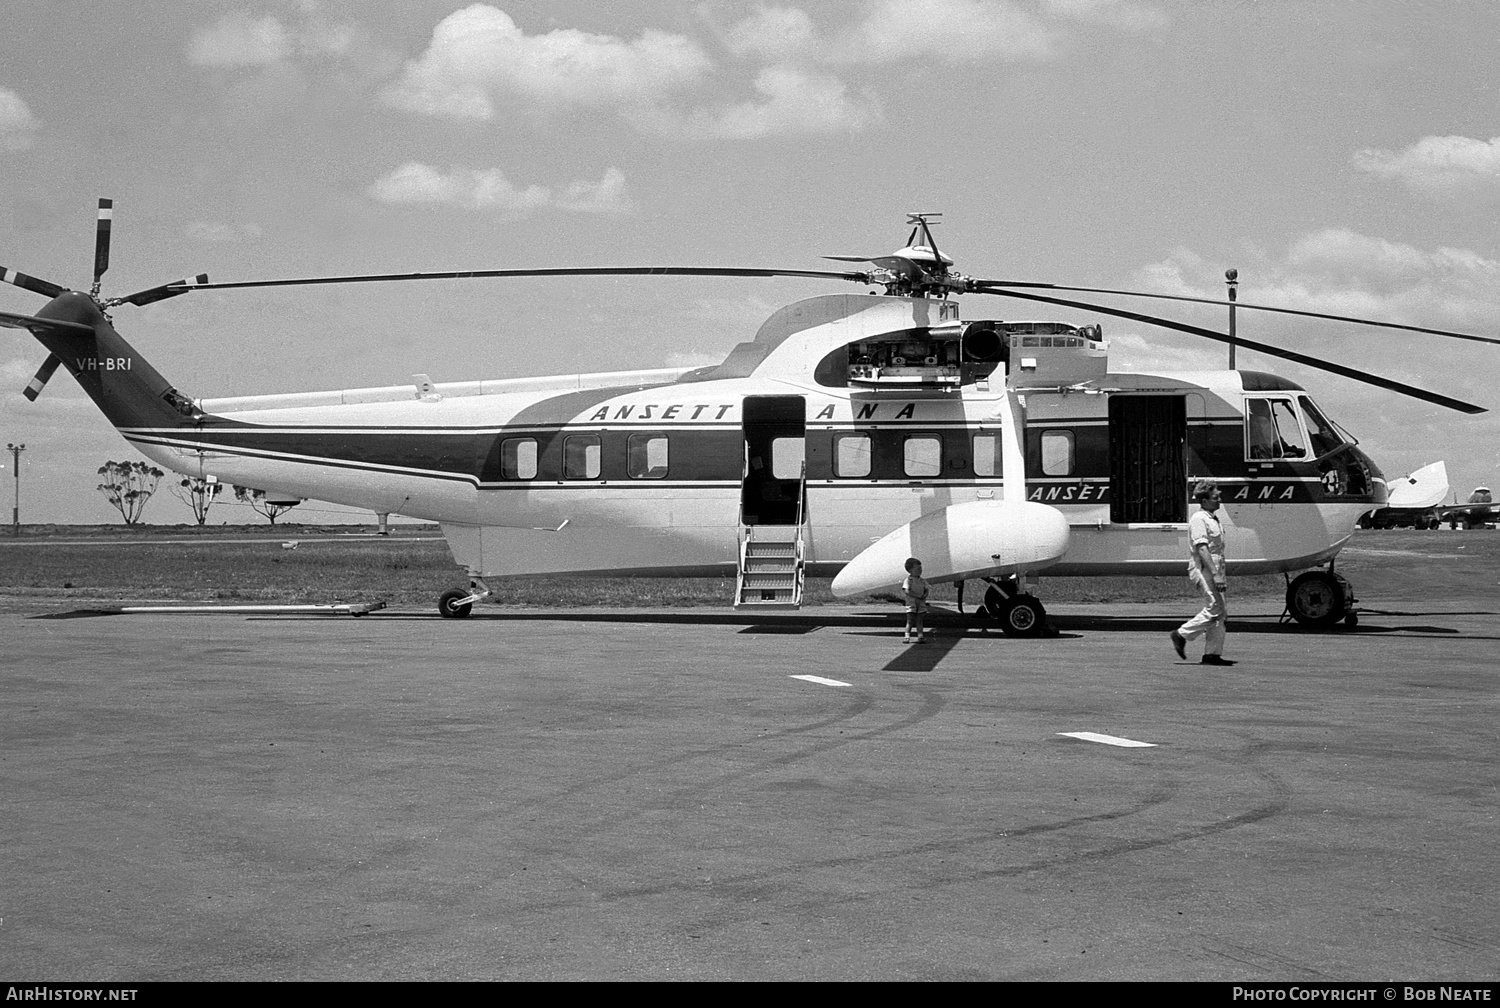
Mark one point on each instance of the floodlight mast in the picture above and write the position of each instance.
(1232, 281)
(15, 513)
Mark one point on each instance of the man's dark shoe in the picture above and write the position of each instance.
(1179, 644)
(1213, 659)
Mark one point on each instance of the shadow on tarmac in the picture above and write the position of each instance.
(941, 623)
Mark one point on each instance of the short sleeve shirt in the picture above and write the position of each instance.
(1204, 527)
(916, 591)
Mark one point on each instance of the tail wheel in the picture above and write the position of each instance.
(1317, 599)
(448, 606)
(1023, 616)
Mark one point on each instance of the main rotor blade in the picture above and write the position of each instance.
(1240, 304)
(43, 375)
(1291, 355)
(31, 283)
(101, 239)
(161, 293)
(180, 288)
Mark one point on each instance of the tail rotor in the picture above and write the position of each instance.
(47, 289)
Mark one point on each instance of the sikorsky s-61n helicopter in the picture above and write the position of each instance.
(853, 431)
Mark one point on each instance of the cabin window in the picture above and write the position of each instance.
(851, 455)
(787, 454)
(581, 456)
(1324, 435)
(1057, 453)
(518, 458)
(1272, 430)
(988, 460)
(922, 455)
(646, 456)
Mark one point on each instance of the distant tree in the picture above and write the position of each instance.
(258, 503)
(128, 486)
(199, 494)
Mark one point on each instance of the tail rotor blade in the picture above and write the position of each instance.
(101, 240)
(31, 283)
(44, 373)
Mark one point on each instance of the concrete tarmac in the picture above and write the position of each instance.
(535, 795)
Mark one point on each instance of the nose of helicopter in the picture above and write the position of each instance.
(974, 539)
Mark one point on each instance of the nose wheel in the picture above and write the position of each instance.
(1319, 599)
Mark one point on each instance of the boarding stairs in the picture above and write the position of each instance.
(771, 574)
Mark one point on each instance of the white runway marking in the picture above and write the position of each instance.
(821, 681)
(1089, 736)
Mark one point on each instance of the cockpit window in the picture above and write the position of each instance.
(1324, 435)
(1272, 430)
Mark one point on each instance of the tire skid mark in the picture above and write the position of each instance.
(858, 704)
(1164, 792)
(1260, 959)
(762, 884)
(759, 883)
(932, 703)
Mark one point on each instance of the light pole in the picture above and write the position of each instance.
(15, 514)
(1232, 281)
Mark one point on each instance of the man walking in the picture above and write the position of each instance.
(1206, 570)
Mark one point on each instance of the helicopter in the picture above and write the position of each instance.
(852, 431)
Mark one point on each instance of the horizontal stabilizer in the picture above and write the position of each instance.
(45, 326)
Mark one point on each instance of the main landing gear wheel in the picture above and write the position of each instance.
(448, 606)
(1023, 616)
(1320, 599)
(1018, 615)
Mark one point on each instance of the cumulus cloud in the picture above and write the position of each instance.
(789, 100)
(1128, 15)
(489, 189)
(948, 31)
(772, 33)
(479, 56)
(480, 63)
(1342, 272)
(952, 31)
(18, 126)
(1446, 166)
(239, 40)
(607, 196)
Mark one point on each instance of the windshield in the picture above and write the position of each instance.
(1324, 435)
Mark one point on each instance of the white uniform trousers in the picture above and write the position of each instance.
(1211, 619)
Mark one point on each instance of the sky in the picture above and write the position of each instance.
(1343, 157)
